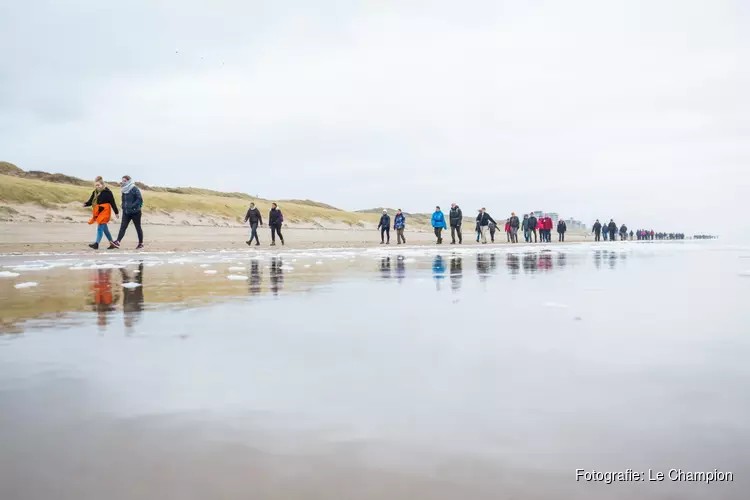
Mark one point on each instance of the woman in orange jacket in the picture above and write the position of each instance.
(102, 203)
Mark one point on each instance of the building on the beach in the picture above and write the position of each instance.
(554, 216)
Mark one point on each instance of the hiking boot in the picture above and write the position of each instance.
(139, 247)
(249, 242)
(257, 244)
(382, 242)
(95, 246)
(273, 243)
(111, 246)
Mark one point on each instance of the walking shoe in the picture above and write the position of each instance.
(257, 244)
(382, 242)
(282, 242)
(273, 243)
(116, 243)
(111, 246)
(95, 246)
(249, 242)
(139, 247)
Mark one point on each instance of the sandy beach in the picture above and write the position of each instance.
(74, 237)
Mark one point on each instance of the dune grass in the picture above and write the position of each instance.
(19, 190)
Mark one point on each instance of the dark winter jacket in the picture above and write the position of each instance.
(275, 217)
(105, 196)
(597, 227)
(562, 226)
(132, 201)
(525, 224)
(484, 219)
(385, 222)
(399, 221)
(624, 229)
(612, 227)
(456, 216)
(532, 222)
(514, 222)
(253, 215)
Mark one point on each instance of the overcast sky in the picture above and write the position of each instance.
(637, 110)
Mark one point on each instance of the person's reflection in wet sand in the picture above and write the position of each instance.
(400, 268)
(438, 270)
(613, 256)
(529, 263)
(545, 262)
(255, 278)
(277, 275)
(513, 263)
(562, 260)
(483, 266)
(456, 272)
(104, 297)
(598, 259)
(493, 263)
(385, 267)
(132, 298)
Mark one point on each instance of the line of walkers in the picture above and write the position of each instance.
(102, 203)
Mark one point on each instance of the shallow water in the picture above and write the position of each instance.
(399, 373)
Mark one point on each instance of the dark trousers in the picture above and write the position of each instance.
(562, 237)
(456, 230)
(514, 234)
(276, 229)
(385, 231)
(597, 236)
(532, 231)
(126, 218)
(439, 234)
(400, 235)
(254, 233)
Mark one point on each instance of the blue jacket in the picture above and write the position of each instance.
(132, 201)
(399, 222)
(438, 220)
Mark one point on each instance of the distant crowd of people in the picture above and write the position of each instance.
(534, 229)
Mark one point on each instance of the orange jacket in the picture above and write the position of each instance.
(102, 213)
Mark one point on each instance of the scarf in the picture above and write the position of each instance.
(94, 197)
(128, 186)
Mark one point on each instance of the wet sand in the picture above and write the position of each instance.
(57, 237)
(397, 374)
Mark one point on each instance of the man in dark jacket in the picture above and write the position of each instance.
(514, 225)
(561, 228)
(132, 203)
(525, 228)
(612, 230)
(275, 219)
(254, 217)
(533, 222)
(385, 228)
(623, 232)
(483, 221)
(597, 227)
(456, 219)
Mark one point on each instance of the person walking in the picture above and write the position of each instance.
(506, 228)
(605, 231)
(612, 230)
(102, 203)
(253, 216)
(456, 219)
(399, 224)
(275, 220)
(438, 224)
(132, 205)
(623, 232)
(483, 221)
(525, 228)
(533, 223)
(597, 230)
(548, 228)
(561, 228)
(631, 235)
(492, 228)
(514, 225)
(385, 228)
